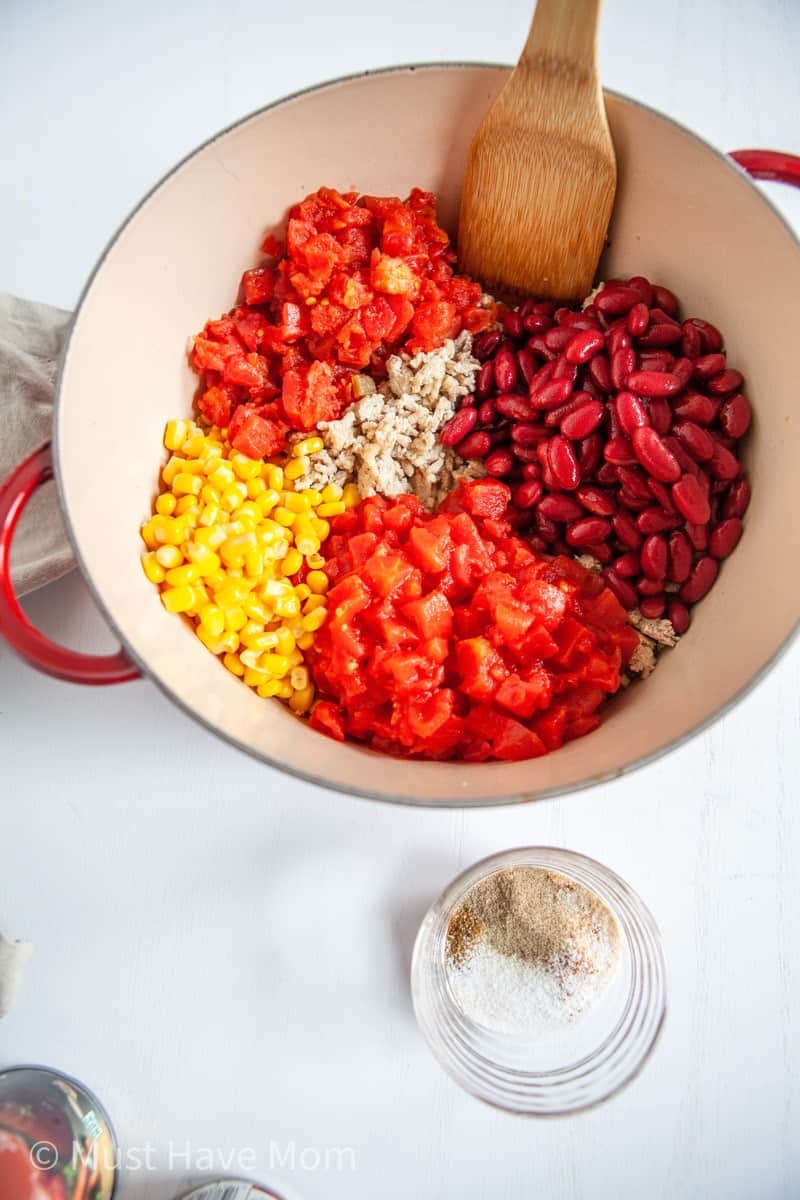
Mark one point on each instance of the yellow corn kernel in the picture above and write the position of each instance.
(230, 641)
(209, 494)
(255, 678)
(301, 700)
(254, 564)
(231, 594)
(275, 665)
(212, 619)
(274, 477)
(250, 658)
(245, 468)
(285, 516)
(174, 464)
(287, 606)
(148, 535)
(302, 591)
(201, 596)
(210, 537)
(334, 509)
(284, 690)
(169, 531)
(209, 515)
(309, 445)
(206, 561)
(231, 661)
(210, 642)
(273, 588)
(304, 536)
(314, 602)
(196, 446)
(318, 582)
(222, 476)
(176, 433)
(313, 496)
(284, 640)
(187, 504)
(305, 641)
(268, 689)
(152, 567)
(315, 561)
(331, 493)
(178, 599)
(178, 576)
(235, 619)
(320, 526)
(248, 513)
(169, 556)
(232, 497)
(296, 467)
(260, 643)
(276, 550)
(315, 620)
(351, 495)
(256, 487)
(292, 562)
(165, 504)
(296, 502)
(255, 609)
(266, 502)
(185, 484)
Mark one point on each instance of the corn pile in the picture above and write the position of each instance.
(227, 535)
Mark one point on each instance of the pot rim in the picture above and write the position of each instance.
(147, 672)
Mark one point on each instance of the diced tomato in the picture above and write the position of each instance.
(432, 615)
(258, 438)
(215, 405)
(309, 396)
(328, 718)
(258, 285)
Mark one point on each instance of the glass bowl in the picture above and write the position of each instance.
(561, 1071)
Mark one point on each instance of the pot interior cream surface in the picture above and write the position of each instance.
(683, 217)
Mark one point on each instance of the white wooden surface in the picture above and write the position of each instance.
(223, 952)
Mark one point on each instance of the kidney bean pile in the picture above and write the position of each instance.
(617, 429)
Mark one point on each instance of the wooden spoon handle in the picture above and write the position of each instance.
(563, 33)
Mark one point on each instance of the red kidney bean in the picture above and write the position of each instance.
(548, 529)
(505, 370)
(638, 319)
(514, 406)
(614, 429)
(525, 433)
(459, 425)
(708, 366)
(683, 367)
(551, 395)
(563, 464)
(558, 339)
(691, 343)
(655, 520)
(590, 455)
(512, 323)
(691, 500)
(531, 470)
(600, 372)
(701, 580)
(709, 334)
(679, 615)
(537, 544)
(695, 439)
(566, 370)
(655, 383)
(629, 501)
(696, 407)
(660, 415)
(643, 288)
(606, 474)
(680, 557)
(725, 537)
(623, 363)
(487, 413)
(618, 339)
(537, 322)
(484, 381)
(543, 375)
(499, 463)
(486, 343)
(685, 461)
(527, 365)
(527, 494)
(724, 464)
(627, 533)
(583, 421)
(660, 335)
(584, 345)
(697, 535)
(595, 500)
(622, 589)
(561, 508)
(654, 456)
(475, 445)
(659, 316)
(656, 360)
(619, 451)
(554, 416)
(599, 550)
(737, 499)
(615, 300)
(649, 587)
(661, 493)
(588, 529)
(653, 607)
(631, 412)
(653, 556)
(735, 416)
(627, 565)
(527, 454)
(666, 300)
(634, 480)
(725, 383)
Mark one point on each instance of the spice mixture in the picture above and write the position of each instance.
(529, 950)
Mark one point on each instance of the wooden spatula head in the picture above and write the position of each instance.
(541, 172)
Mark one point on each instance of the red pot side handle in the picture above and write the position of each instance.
(55, 660)
(15, 627)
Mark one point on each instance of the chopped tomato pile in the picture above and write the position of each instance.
(448, 637)
(360, 277)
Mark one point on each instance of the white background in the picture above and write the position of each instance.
(222, 952)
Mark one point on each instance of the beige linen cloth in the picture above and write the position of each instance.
(31, 339)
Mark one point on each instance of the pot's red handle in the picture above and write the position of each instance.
(15, 627)
(769, 164)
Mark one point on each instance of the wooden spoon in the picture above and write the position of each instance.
(541, 172)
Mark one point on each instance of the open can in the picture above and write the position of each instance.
(231, 1189)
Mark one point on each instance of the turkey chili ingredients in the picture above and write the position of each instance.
(360, 276)
(617, 428)
(529, 951)
(387, 441)
(447, 637)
